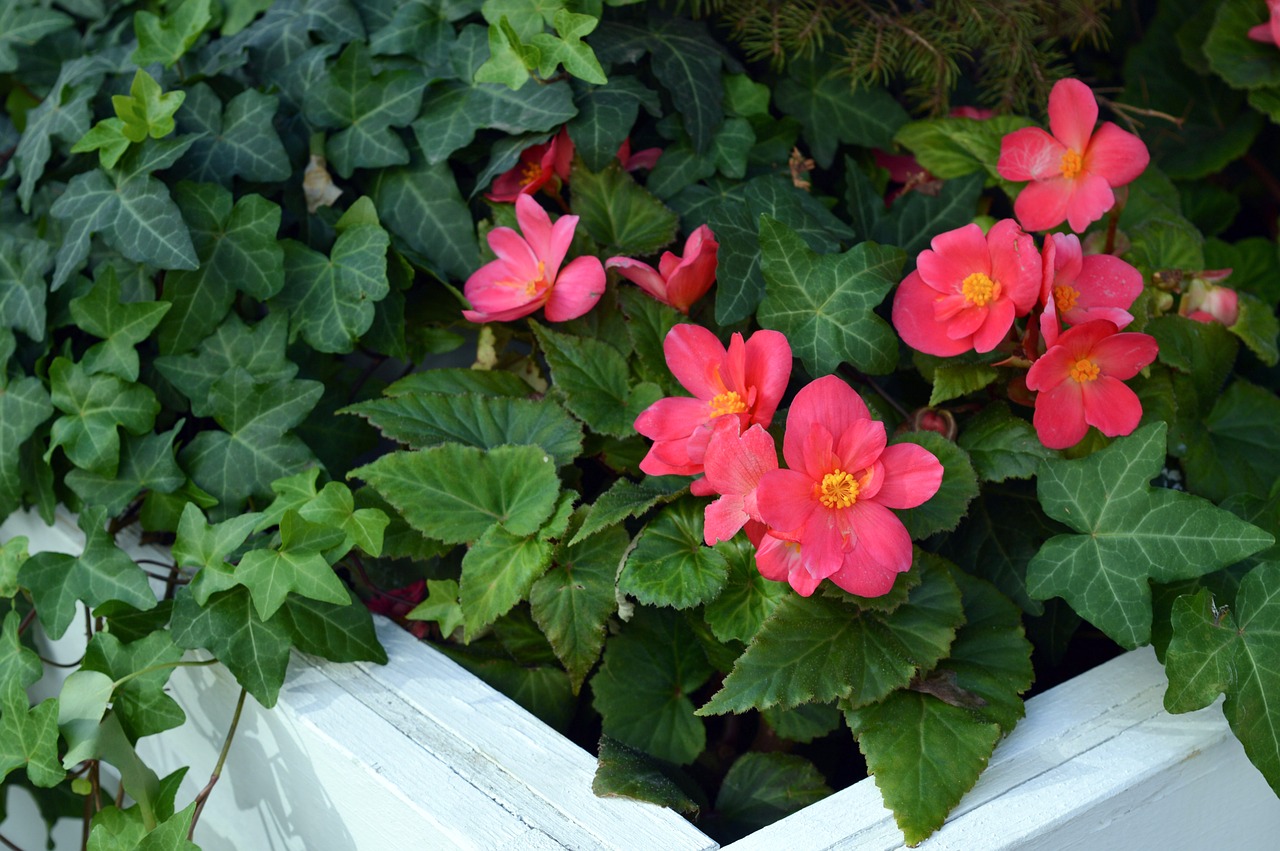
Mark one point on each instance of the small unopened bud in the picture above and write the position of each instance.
(1204, 301)
(931, 419)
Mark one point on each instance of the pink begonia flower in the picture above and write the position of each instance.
(1072, 172)
(678, 281)
(734, 464)
(647, 158)
(1204, 301)
(1268, 33)
(1079, 288)
(967, 290)
(834, 499)
(744, 382)
(977, 113)
(527, 273)
(1080, 383)
(538, 166)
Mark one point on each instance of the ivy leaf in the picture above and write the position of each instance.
(497, 572)
(669, 566)
(367, 106)
(954, 147)
(335, 508)
(146, 464)
(13, 553)
(140, 703)
(120, 326)
(620, 214)
(238, 252)
(825, 303)
(944, 510)
(605, 117)
(642, 688)
(100, 574)
(626, 498)
(272, 574)
(832, 111)
(93, 407)
(455, 493)
(761, 788)
(1229, 451)
(1129, 535)
(820, 649)
(422, 420)
(24, 27)
(254, 651)
(1002, 446)
(595, 381)
(23, 264)
(147, 110)
(29, 737)
(108, 139)
(509, 57)
(24, 405)
(566, 48)
(131, 209)
(963, 708)
(167, 39)
(206, 546)
(330, 299)
(748, 599)
(239, 140)
(916, 217)
(1217, 651)
(624, 772)
(339, 633)
(440, 607)
(422, 207)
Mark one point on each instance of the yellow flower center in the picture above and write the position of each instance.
(1085, 370)
(530, 172)
(1065, 297)
(1072, 164)
(838, 489)
(727, 403)
(978, 289)
(531, 287)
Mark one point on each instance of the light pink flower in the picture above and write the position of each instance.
(1073, 171)
(1268, 33)
(967, 290)
(678, 281)
(1204, 301)
(834, 499)
(734, 464)
(538, 166)
(744, 382)
(527, 273)
(1080, 383)
(1081, 287)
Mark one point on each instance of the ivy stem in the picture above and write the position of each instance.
(217, 769)
(26, 621)
(880, 391)
(192, 663)
(7, 844)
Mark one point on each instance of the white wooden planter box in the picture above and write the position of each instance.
(419, 754)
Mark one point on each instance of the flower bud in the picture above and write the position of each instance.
(931, 419)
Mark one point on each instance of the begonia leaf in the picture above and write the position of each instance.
(422, 420)
(954, 147)
(1219, 651)
(1001, 446)
(22, 25)
(1241, 61)
(962, 709)
(834, 112)
(238, 140)
(1129, 534)
(803, 723)
(1257, 327)
(760, 788)
(819, 648)
(825, 303)
(454, 493)
(642, 688)
(254, 651)
(620, 214)
(1230, 451)
(669, 566)
(625, 772)
(421, 205)
(166, 40)
(1254, 265)
(455, 380)
(594, 380)
(93, 408)
(141, 703)
(147, 463)
(120, 327)
(238, 252)
(943, 511)
(747, 600)
(497, 572)
(951, 381)
(626, 498)
(101, 573)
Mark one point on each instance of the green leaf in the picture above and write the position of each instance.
(915, 218)
(669, 566)
(761, 788)
(642, 687)
(334, 508)
(624, 772)
(1129, 535)
(23, 264)
(1230, 452)
(820, 649)
(510, 59)
(65, 114)
(255, 652)
(594, 379)
(1257, 327)
(575, 597)
(1002, 446)
(93, 407)
(626, 498)
(29, 737)
(834, 112)
(455, 380)
(1209, 655)
(271, 575)
(455, 493)
(620, 214)
(166, 40)
(238, 252)
(605, 117)
(961, 710)
(944, 510)
(107, 138)
(101, 573)
(120, 326)
(954, 147)
(803, 723)
(1001, 534)
(146, 464)
(421, 420)
(526, 17)
(367, 106)
(1241, 61)
(567, 49)
(1166, 243)
(440, 607)
(146, 110)
(330, 299)
(497, 572)
(748, 599)
(238, 140)
(825, 304)
(206, 547)
(422, 207)
(24, 405)
(140, 703)
(22, 26)
(951, 381)
(339, 633)
(13, 553)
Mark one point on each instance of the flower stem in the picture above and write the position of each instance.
(217, 769)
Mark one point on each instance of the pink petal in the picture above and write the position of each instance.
(1059, 415)
(576, 290)
(1051, 368)
(672, 418)
(822, 544)
(999, 320)
(1030, 154)
(826, 402)
(1122, 356)
(1016, 264)
(1073, 112)
(515, 251)
(561, 238)
(561, 159)
(862, 575)
(1114, 315)
(913, 319)
(1043, 204)
(1116, 155)
(654, 465)
(723, 519)
(1050, 328)
(509, 186)
(860, 445)
(767, 369)
(1111, 407)
(881, 535)
(695, 357)
(641, 274)
(955, 255)
(1090, 201)
(535, 225)
(1068, 258)
(967, 321)
(912, 475)
(734, 463)
(817, 455)
(785, 498)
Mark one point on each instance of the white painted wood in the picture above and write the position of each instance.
(421, 754)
